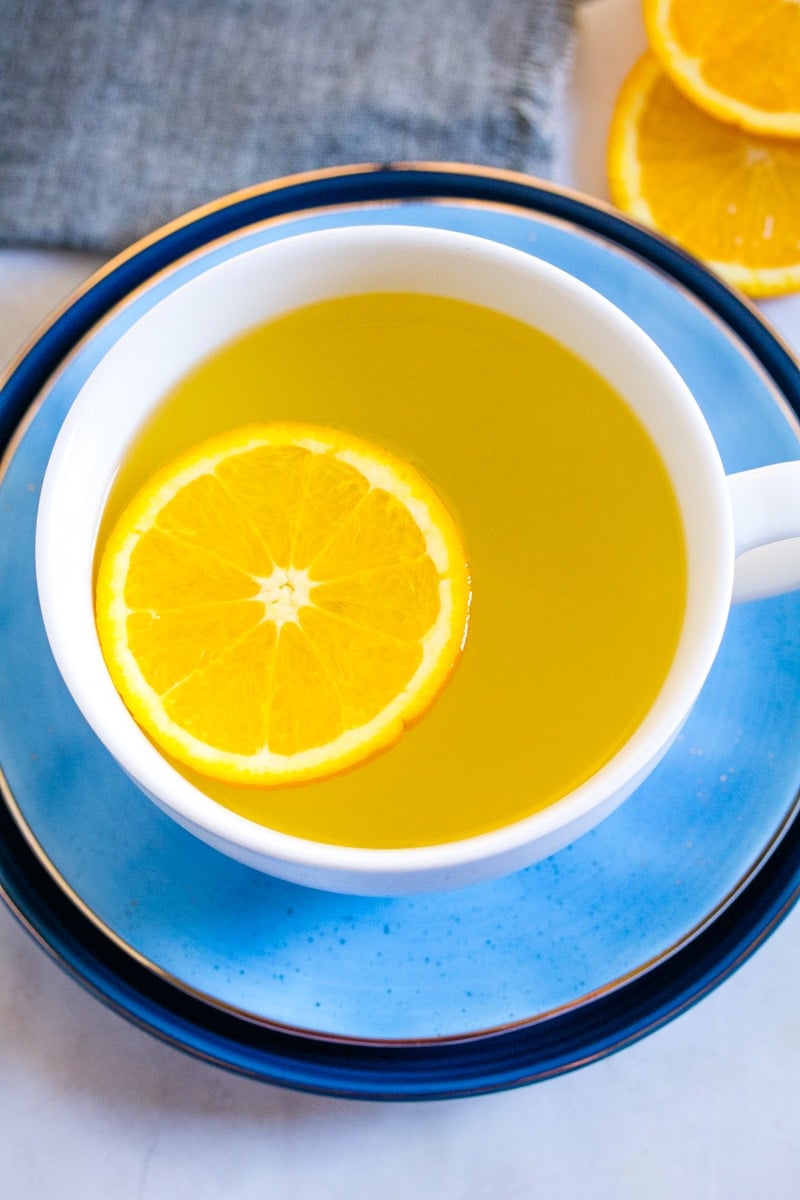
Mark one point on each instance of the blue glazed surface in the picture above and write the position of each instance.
(445, 966)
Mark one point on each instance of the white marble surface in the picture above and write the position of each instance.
(708, 1106)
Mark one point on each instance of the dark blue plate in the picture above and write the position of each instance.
(434, 996)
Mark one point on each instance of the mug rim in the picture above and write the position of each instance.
(384, 871)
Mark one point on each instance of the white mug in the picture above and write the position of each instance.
(738, 529)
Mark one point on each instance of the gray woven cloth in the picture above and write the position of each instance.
(117, 115)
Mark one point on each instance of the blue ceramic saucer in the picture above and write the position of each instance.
(440, 995)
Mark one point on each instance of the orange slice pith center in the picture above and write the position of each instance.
(281, 602)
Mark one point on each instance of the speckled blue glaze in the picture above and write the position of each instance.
(532, 951)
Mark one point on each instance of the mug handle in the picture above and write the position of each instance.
(766, 520)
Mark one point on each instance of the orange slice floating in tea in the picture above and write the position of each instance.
(281, 602)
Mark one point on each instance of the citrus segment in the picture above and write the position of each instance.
(730, 197)
(740, 61)
(281, 602)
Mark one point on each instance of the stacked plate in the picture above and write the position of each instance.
(443, 995)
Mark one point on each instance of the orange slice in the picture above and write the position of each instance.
(281, 602)
(730, 197)
(738, 59)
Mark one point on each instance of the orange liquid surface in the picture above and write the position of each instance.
(571, 527)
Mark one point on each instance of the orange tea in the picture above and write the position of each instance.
(572, 530)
